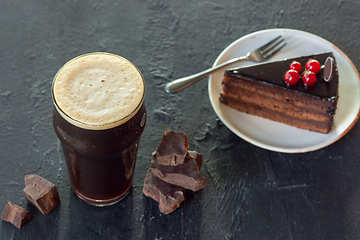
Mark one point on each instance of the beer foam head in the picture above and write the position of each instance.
(98, 90)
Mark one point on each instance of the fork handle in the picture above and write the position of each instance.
(181, 83)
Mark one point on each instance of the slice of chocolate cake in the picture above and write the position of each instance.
(261, 90)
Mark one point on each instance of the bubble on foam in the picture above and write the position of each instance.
(98, 88)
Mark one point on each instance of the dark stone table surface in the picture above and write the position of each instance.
(251, 193)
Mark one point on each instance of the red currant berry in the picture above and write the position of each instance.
(313, 65)
(309, 78)
(296, 66)
(291, 77)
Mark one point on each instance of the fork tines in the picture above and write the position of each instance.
(271, 48)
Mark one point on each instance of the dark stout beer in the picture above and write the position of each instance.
(100, 138)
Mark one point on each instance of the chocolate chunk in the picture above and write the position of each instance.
(186, 175)
(16, 215)
(173, 148)
(198, 158)
(41, 193)
(173, 169)
(167, 195)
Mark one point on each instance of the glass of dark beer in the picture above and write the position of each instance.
(99, 116)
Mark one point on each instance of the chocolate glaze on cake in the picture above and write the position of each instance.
(261, 90)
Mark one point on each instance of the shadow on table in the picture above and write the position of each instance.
(43, 227)
(183, 223)
(79, 220)
(259, 194)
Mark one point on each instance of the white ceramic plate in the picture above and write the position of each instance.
(276, 136)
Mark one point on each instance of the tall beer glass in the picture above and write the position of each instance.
(99, 116)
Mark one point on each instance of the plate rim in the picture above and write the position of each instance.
(263, 145)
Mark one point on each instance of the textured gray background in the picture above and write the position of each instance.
(251, 194)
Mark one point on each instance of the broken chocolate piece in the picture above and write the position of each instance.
(16, 215)
(41, 193)
(186, 175)
(173, 169)
(198, 158)
(167, 195)
(173, 148)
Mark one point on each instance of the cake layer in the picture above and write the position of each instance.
(266, 107)
(261, 90)
(276, 105)
(235, 86)
(278, 100)
(272, 73)
(317, 126)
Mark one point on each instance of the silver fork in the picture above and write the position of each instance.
(258, 55)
